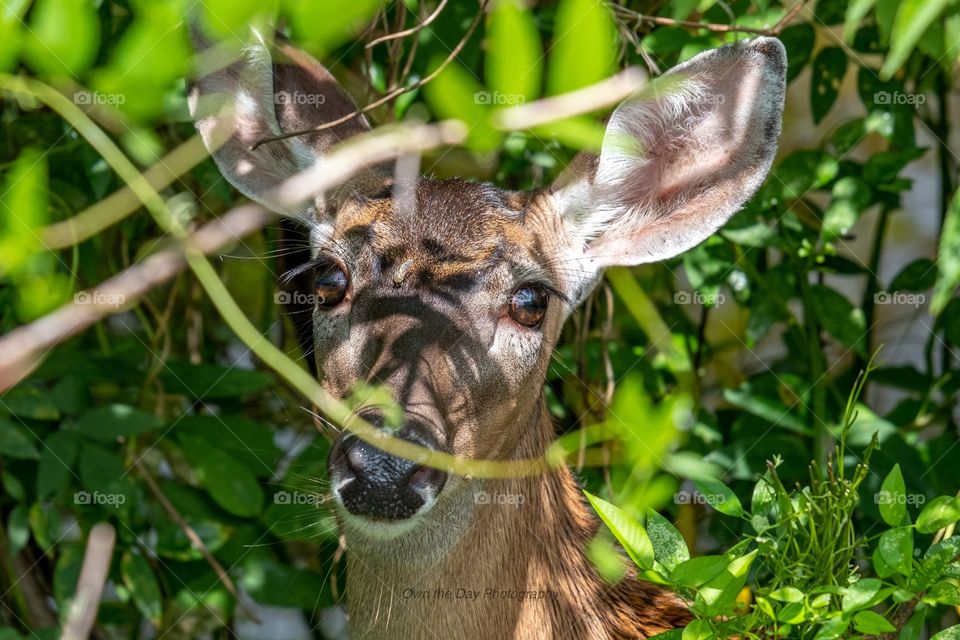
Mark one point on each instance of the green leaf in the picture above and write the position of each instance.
(839, 317)
(787, 594)
(872, 623)
(105, 479)
(911, 630)
(18, 529)
(514, 64)
(228, 481)
(698, 630)
(860, 594)
(15, 443)
(112, 421)
(584, 47)
(30, 402)
(951, 633)
(919, 275)
(896, 547)
(941, 511)
(720, 497)
(63, 37)
(208, 381)
(139, 578)
(669, 547)
(856, 11)
(628, 531)
(829, 67)
(892, 499)
(913, 18)
(321, 26)
(56, 462)
(718, 595)
(798, 40)
(934, 563)
(698, 571)
(948, 258)
(248, 441)
(45, 524)
(456, 94)
(272, 583)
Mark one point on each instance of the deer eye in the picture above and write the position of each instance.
(528, 305)
(330, 285)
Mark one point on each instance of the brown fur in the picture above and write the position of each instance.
(426, 314)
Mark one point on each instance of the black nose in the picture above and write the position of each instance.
(381, 486)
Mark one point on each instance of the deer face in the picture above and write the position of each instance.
(452, 294)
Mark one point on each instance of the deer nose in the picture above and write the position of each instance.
(375, 484)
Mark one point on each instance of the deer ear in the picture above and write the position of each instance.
(678, 159)
(267, 90)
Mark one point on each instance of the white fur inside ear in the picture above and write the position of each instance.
(679, 158)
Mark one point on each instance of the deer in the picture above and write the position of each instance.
(453, 298)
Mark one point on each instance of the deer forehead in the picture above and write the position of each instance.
(453, 228)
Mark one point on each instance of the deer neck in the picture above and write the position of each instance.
(504, 559)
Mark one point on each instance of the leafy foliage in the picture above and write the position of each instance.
(161, 410)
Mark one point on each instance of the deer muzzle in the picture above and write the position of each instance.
(373, 484)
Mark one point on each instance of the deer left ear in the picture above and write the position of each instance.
(678, 159)
(271, 90)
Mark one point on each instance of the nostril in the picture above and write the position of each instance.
(427, 479)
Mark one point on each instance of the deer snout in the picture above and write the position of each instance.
(374, 484)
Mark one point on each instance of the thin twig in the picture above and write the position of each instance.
(411, 30)
(390, 96)
(585, 100)
(21, 348)
(93, 574)
(194, 538)
(689, 24)
(785, 20)
(123, 201)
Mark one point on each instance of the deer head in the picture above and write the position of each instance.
(452, 293)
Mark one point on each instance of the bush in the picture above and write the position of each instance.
(174, 421)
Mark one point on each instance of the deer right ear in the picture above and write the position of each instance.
(236, 102)
(678, 159)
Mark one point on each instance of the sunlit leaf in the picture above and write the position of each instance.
(584, 49)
